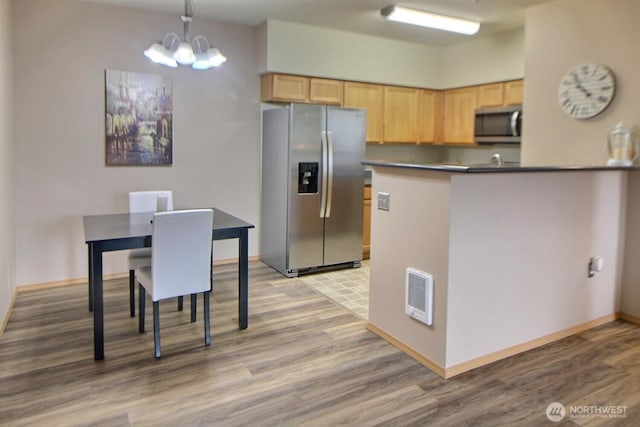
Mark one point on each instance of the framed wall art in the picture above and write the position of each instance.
(139, 119)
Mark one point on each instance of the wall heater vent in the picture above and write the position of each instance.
(419, 295)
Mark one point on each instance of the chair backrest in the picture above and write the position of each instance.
(181, 252)
(147, 201)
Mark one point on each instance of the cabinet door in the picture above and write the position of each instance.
(490, 95)
(513, 92)
(459, 107)
(324, 91)
(366, 224)
(284, 87)
(369, 97)
(401, 114)
(427, 117)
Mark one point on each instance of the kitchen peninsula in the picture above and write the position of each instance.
(509, 250)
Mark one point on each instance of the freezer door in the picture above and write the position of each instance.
(275, 180)
(305, 224)
(346, 129)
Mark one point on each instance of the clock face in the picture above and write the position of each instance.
(586, 90)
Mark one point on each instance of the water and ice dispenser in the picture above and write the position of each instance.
(307, 177)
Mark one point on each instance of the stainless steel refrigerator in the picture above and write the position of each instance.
(312, 187)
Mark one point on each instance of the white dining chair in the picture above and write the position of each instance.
(144, 201)
(180, 264)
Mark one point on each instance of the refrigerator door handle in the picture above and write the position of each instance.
(323, 189)
(330, 173)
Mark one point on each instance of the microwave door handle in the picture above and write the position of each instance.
(323, 189)
(514, 123)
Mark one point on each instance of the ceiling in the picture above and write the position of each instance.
(359, 16)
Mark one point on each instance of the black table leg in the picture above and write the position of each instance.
(90, 280)
(98, 303)
(243, 278)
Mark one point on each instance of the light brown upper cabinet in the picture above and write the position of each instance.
(284, 88)
(491, 95)
(401, 114)
(396, 114)
(500, 94)
(369, 97)
(325, 91)
(513, 92)
(289, 88)
(459, 110)
(427, 116)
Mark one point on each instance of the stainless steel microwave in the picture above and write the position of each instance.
(501, 125)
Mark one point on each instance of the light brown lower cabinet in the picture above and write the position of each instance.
(366, 224)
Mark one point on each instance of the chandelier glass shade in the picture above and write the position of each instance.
(198, 52)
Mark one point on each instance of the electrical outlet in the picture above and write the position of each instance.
(383, 201)
(595, 265)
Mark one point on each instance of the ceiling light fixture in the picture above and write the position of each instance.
(198, 52)
(430, 20)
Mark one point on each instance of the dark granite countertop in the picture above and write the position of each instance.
(490, 168)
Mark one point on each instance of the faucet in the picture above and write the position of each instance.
(496, 160)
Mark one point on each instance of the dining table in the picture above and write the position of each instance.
(122, 231)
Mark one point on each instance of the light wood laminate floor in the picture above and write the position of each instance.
(304, 360)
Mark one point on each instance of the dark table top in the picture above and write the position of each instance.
(126, 225)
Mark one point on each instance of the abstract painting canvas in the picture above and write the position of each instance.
(139, 119)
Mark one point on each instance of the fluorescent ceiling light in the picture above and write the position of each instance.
(430, 20)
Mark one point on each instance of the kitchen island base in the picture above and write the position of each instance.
(509, 254)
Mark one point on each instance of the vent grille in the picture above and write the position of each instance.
(419, 295)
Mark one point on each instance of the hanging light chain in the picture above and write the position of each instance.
(187, 18)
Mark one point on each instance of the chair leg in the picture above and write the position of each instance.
(207, 320)
(156, 327)
(132, 296)
(180, 303)
(141, 308)
(194, 304)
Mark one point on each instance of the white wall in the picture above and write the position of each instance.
(323, 52)
(487, 59)
(558, 36)
(7, 248)
(60, 59)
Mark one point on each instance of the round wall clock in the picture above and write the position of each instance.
(586, 90)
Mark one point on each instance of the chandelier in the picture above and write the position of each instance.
(173, 51)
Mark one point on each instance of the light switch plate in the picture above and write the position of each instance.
(383, 201)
